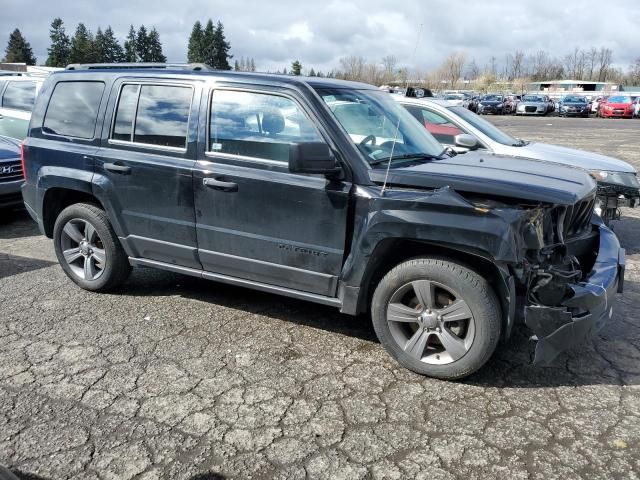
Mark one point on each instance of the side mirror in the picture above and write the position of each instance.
(464, 140)
(312, 157)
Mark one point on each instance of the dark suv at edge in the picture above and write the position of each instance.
(322, 190)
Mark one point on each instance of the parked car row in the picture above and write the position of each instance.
(463, 130)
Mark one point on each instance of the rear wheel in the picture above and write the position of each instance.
(88, 249)
(436, 317)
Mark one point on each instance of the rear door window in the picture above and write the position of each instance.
(73, 109)
(19, 96)
(153, 115)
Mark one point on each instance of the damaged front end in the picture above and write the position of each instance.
(569, 279)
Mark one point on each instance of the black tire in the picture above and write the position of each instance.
(116, 267)
(471, 287)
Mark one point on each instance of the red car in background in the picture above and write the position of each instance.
(619, 106)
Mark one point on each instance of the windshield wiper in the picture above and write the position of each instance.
(407, 156)
(521, 143)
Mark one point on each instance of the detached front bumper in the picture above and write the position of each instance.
(557, 329)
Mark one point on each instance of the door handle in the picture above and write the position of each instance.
(220, 185)
(117, 167)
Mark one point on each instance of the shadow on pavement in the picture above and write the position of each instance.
(14, 265)
(593, 362)
(145, 282)
(208, 476)
(17, 224)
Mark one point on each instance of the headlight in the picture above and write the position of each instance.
(623, 179)
(600, 175)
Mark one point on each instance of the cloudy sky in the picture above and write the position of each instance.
(319, 33)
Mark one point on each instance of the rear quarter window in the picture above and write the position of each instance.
(73, 109)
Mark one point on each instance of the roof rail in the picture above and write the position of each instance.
(106, 66)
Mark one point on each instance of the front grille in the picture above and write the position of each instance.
(530, 109)
(10, 171)
(575, 219)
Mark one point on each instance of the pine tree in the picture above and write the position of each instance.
(108, 50)
(194, 50)
(130, 43)
(236, 66)
(143, 44)
(296, 67)
(312, 73)
(18, 49)
(60, 44)
(252, 65)
(155, 47)
(221, 49)
(243, 65)
(208, 48)
(82, 46)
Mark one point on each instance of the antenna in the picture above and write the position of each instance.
(395, 135)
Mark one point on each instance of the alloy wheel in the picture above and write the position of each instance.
(82, 249)
(430, 322)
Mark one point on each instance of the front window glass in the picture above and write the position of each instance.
(257, 125)
(379, 126)
(19, 96)
(492, 98)
(488, 128)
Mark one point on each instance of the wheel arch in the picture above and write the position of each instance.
(56, 199)
(391, 252)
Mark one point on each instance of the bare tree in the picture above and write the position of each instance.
(517, 65)
(389, 64)
(352, 68)
(473, 72)
(605, 57)
(453, 67)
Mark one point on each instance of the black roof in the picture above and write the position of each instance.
(245, 77)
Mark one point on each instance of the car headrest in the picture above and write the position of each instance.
(272, 122)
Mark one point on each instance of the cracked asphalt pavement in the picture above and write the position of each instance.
(175, 377)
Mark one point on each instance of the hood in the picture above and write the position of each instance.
(495, 175)
(574, 157)
(9, 149)
(532, 104)
(490, 102)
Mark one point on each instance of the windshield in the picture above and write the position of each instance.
(379, 126)
(490, 130)
(492, 98)
(574, 100)
(619, 100)
(532, 98)
(454, 96)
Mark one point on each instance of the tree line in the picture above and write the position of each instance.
(209, 45)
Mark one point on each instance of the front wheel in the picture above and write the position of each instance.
(436, 317)
(88, 249)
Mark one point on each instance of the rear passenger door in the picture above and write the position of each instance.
(255, 219)
(16, 105)
(144, 168)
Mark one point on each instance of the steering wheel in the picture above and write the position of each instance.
(368, 139)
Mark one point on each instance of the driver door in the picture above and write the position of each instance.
(256, 220)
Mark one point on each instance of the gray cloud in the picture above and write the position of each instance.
(319, 33)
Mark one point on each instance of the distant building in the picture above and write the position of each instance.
(577, 86)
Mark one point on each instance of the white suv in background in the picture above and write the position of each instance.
(17, 96)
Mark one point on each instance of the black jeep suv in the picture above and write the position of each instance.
(322, 190)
